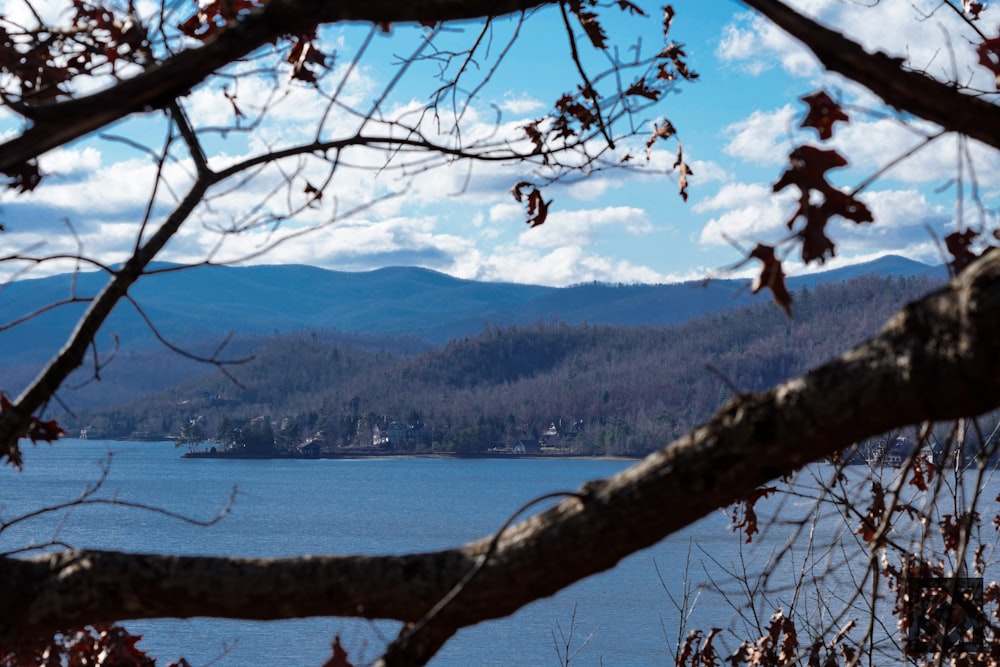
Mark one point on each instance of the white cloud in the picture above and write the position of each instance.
(580, 227)
(367, 244)
(562, 266)
(873, 144)
(507, 212)
(749, 213)
(350, 245)
(733, 195)
(705, 172)
(902, 220)
(117, 190)
(283, 111)
(521, 104)
(70, 162)
(753, 44)
(462, 219)
(594, 188)
(763, 138)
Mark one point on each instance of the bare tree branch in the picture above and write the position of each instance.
(904, 89)
(72, 354)
(58, 123)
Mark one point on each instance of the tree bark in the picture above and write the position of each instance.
(936, 359)
(907, 90)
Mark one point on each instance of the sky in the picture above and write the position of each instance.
(737, 123)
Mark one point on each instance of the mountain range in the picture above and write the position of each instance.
(207, 302)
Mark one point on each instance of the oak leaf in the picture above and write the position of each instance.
(923, 474)
(846, 206)
(214, 16)
(35, 429)
(959, 244)
(675, 54)
(668, 19)
(535, 136)
(683, 172)
(305, 57)
(954, 527)
(518, 190)
(24, 177)
(989, 57)
(339, 657)
(588, 19)
(823, 113)
(973, 9)
(771, 277)
(641, 89)
(662, 131)
(631, 8)
(748, 521)
(538, 208)
(808, 169)
(118, 648)
(816, 245)
(314, 193)
(872, 520)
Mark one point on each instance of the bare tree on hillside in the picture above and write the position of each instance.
(70, 76)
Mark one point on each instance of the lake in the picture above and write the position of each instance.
(383, 506)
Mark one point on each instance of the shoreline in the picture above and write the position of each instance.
(386, 455)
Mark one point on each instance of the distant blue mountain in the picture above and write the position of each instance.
(208, 302)
(889, 265)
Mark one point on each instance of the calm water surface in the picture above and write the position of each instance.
(288, 508)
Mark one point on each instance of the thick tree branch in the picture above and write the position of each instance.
(907, 90)
(62, 122)
(71, 356)
(937, 359)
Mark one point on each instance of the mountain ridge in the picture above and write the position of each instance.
(210, 301)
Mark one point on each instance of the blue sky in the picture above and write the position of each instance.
(737, 125)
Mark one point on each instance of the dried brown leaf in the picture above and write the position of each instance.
(823, 113)
(771, 277)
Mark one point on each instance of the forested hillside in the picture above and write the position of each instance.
(606, 389)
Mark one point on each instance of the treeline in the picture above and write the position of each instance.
(605, 389)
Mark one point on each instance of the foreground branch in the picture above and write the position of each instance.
(906, 90)
(71, 356)
(937, 359)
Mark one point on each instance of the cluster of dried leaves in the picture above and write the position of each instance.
(216, 15)
(43, 61)
(107, 646)
(35, 429)
(580, 116)
(779, 645)
(941, 619)
(45, 64)
(744, 513)
(964, 628)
